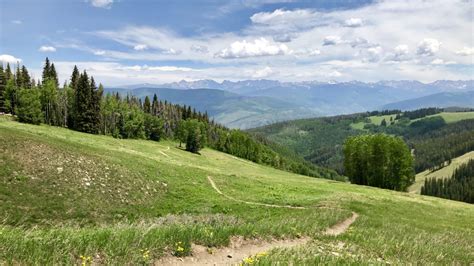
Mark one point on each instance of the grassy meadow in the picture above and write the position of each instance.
(70, 198)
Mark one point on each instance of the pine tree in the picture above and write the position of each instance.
(46, 70)
(53, 75)
(25, 79)
(155, 105)
(82, 104)
(147, 105)
(8, 72)
(3, 84)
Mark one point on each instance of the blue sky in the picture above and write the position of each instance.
(144, 41)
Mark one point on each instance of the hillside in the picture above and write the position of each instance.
(444, 172)
(230, 109)
(434, 138)
(443, 99)
(69, 198)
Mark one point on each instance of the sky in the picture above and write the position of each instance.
(124, 42)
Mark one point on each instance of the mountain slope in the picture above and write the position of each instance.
(443, 99)
(230, 109)
(95, 199)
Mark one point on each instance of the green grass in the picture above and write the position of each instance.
(65, 194)
(453, 117)
(375, 119)
(449, 117)
(444, 172)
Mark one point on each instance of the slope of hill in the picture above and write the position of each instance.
(444, 172)
(443, 99)
(230, 109)
(320, 140)
(70, 198)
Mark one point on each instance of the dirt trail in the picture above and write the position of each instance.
(167, 149)
(239, 248)
(341, 227)
(250, 202)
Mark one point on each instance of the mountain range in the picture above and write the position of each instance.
(252, 103)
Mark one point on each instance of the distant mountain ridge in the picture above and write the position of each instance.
(442, 99)
(251, 103)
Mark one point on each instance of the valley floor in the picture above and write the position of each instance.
(68, 197)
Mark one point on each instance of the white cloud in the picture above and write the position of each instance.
(17, 21)
(99, 52)
(140, 47)
(101, 3)
(260, 47)
(353, 22)
(466, 51)
(387, 46)
(172, 51)
(334, 74)
(199, 48)
(6, 58)
(428, 47)
(263, 73)
(331, 40)
(281, 16)
(439, 61)
(46, 49)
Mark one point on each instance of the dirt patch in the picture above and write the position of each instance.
(341, 227)
(238, 250)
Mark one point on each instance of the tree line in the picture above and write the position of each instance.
(80, 104)
(460, 186)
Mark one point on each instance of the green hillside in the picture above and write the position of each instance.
(434, 139)
(70, 198)
(444, 172)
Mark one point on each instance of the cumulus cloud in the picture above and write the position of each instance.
(260, 47)
(428, 47)
(466, 51)
(46, 49)
(281, 16)
(140, 47)
(332, 40)
(439, 61)
(353, 22)
(99, 52)
(6, 58)
(17, 21)
(101, 3)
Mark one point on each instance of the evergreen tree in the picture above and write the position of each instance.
(10, 96)
(147, 105)
(383, 123)
(53, 75)
(8, 72)
(3, 85)
(46, 70)
(82, 101)
(25, 79)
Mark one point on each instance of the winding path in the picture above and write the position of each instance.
(240, 248)
(250, 202)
